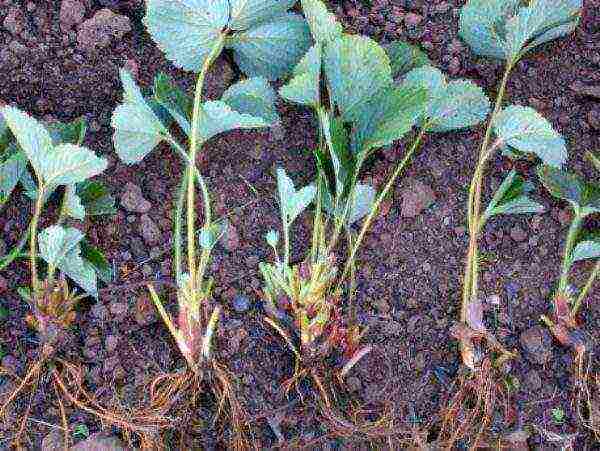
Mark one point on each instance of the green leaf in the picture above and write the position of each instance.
(526, 130)
(218, 117)
(211, 234)
(96, 198)
(68, 163)
(81, 271)
(73, 205)
(271, 49)
(245, 14)
(67, 132)
(303, 88)
(503, 29)
(586, 250)
(31, 135)
(363, 201)
(323, 24)
(405, 57)
(562, 185)
(174, 100)
(388, 117)
(272, 238)
(11, 171)
(253, 96)
(186, 30)
(339, 157)
(292, 202)
(511, 198)
(96, 258)
(137, 129)
(357, 68)
(55, 242)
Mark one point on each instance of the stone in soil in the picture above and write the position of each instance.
(102, 29)
(149, 231)
(536, 343)
(99, 442)
(416, 197)
(133, 200)
(145, 312)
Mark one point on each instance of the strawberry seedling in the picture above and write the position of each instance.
(59, 162)
(506, 30)
(266, 41)
(581, 245)
(348, 81)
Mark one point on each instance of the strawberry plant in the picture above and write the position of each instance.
(581, 245)
(266, 41)
(59, 162)
(506, 30)
(348, 81)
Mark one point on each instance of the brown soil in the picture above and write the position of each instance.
(409, 282)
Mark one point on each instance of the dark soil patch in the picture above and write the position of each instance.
(409, 282)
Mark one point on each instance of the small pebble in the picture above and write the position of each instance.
(241, 303)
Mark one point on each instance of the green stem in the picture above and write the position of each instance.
(16, 252)
(35, 283)
(177, 226)
(470, 287)
(586, 289)
(197, 111)
(378, 201)
(569, 245)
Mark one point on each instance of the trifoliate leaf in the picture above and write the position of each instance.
(271, 49)
(73, 206)
(253, 96)
(186, 30)
(245, 14)
(388, 117)
(303, 88)
(137, 129)
(81, 271)
(323, 24)
(526, 130)
(503, 29)
(31, 135)
(174, 100)
(11, 171)
(68, 163)
(405, 57)
(218, 117)
(363, 200)
(357, 68)
(96, 198)
(67, 132)
(55, 242)
(586, 250)
(97, 259)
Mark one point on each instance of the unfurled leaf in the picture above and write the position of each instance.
(137, 129)
(586, 250)
(363, 200)
(218, 117)
(323, 24)
(73, 206)
(511, 198)
(525, 130)
(303, 88)
(31, 136)
(388, 117)
(357, 68)
(452, 106)
(504, 29)
(96, 198)
(174, 100)
(405, 57)
(67, 163)
(55, 242)
(11, 171)
(67, 132)
(186, 30)
(245, 14)
(271, 49)
(81, 271)
(253, 96)
(96, 258)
